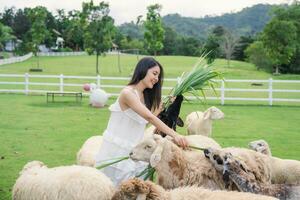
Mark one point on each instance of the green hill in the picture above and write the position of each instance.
(248, 21)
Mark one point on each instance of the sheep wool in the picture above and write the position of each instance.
(146, 190)
(86, 154)
(38, 182)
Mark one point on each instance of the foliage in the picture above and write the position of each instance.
(248, 21)
(291, 14)
(38, 30)
(279, 39)
(100, 29)
(196, 80)
(241, 46)
(5, 35)
(212, 46)
(154, 33)
(258, 56)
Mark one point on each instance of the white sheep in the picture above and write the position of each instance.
(193, 140)
(174, 166)
(146, 190)
(199, 123)
(260, 146)
(38, 182)
(86, 154)
(283, 170)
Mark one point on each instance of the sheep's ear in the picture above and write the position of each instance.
(206, 114)
(179, 122)
(141, 197)
(156, 155)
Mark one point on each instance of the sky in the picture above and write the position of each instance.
(128, 10)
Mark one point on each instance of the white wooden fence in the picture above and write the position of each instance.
(61, 84)
(79, 53)
(15, 59)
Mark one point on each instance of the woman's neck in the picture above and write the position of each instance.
(140, 87)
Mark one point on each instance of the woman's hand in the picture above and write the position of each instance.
(181, 141)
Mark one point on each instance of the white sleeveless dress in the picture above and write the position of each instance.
(125, 129)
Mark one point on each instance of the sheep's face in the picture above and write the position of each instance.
(217, 158)
(216, 113)
(259, 146)
(144, 150)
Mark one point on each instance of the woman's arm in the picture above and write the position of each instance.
(130, 99)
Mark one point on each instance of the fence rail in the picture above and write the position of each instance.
(15, 59)
(63, 81)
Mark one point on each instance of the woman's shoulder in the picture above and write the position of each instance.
(127, 93)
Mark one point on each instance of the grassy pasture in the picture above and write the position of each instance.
(31, 129)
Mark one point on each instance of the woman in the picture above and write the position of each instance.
(129, 116)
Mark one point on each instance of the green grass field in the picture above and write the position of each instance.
(32, 129)
(173, 66)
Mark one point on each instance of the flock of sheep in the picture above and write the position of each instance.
(217, 173)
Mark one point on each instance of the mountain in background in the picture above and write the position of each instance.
(248, 21)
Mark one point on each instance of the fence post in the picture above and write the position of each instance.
(222, 92)
(61, 84)
(98, 81)
(270, 92)
(26, 83)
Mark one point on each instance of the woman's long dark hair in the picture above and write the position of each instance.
(152, 97)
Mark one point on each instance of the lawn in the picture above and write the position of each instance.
(31, 129)
(173, 67)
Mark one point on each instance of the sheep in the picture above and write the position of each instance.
(86, 154)
(38, 182)
(199, 123)
(233, 169)
(193, 140)
(281, 171)
(260, 146)
(146, 190)
(174, 166)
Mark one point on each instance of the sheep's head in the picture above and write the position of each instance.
(213, 113)
(32, 165)
(226, 163)
(132, 189)
(260, 146)
(149, 150)
(170, 115)
(216, 157)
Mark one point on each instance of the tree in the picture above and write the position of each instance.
(100, 29)
(211, 48)
(5, 35)
(38, 28)
(258, 56)
(170, 42)
(280, 39)
(227, 45)
(241, 46)
(154, 33)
